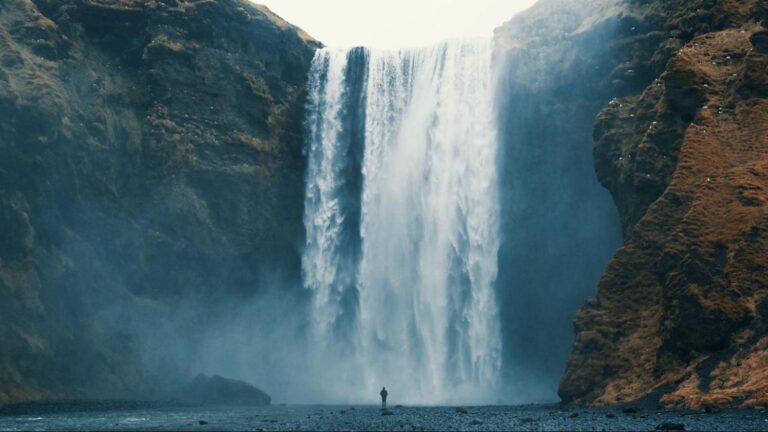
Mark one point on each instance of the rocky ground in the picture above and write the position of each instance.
(141, 417)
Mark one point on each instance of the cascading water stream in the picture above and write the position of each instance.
(402, 220)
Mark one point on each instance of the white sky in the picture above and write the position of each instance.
(395, 23)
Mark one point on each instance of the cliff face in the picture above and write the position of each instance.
(682, 310)
(151, 154)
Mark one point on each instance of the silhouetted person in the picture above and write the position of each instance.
(384, 394)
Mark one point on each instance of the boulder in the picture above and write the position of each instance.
(217, 390)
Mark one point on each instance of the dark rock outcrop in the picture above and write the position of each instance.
(216, 390)
(152, 157)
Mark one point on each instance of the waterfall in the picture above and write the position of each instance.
(402, 220)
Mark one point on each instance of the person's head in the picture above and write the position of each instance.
(383, 388)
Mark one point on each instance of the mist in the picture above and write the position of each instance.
(441, 248)
(558, 229)
(560, 226)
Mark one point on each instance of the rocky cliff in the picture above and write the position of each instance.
(152, 159)
(682, 310)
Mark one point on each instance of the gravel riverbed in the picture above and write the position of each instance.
(152, 416)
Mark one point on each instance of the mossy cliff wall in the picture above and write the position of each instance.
(151, 158)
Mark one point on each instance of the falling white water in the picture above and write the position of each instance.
(323, 218)
(404, 266)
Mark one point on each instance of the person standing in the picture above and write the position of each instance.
(384, 394)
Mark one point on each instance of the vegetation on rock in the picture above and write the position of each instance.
(680, 313)
(152, 158)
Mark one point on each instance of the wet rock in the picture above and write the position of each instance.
(462, 410)
(712, 409)
(217, 390)
(670, 426)
(386, 412)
